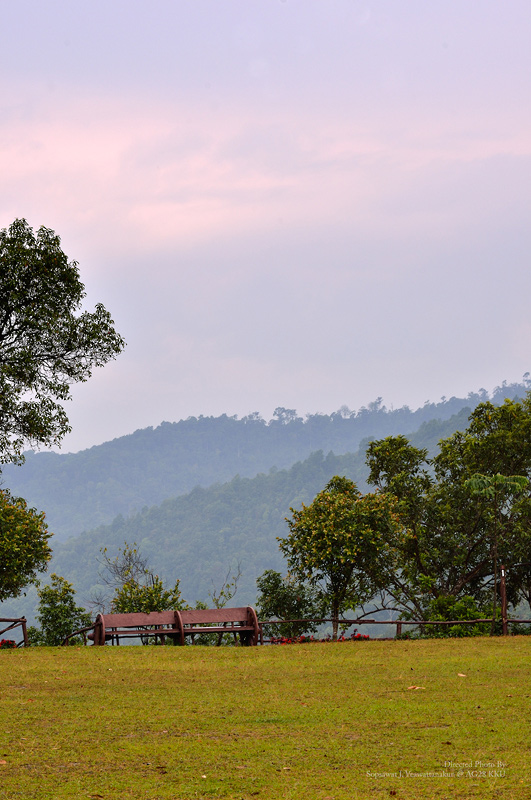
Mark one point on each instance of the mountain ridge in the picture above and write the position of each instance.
(79, 491)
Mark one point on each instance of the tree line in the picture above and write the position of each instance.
(81, 491)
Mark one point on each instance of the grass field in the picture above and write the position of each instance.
(322, 721)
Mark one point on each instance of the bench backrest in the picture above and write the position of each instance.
(137, 619)
(196, 616)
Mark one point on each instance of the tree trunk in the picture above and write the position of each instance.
(335, 619)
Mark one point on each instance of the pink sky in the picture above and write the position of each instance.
(293, 203)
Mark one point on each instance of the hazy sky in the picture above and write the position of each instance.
(296, 203)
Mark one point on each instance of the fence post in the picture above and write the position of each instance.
(398, 629)
(503, 593)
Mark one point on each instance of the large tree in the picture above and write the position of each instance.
(337, 542)
(453, 537)
(45, 345)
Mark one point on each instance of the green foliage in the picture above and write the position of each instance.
(500, 493)
(127, 566)
(337, 541)
(58, 614)
(136, 587)
(148, 596)
(463, 511)
(24, 549)
(502, 489)
(285, 598)
(450, 608)
(44, 347)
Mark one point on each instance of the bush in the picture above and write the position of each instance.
(450, 608)
(57, 614)
(284, 598)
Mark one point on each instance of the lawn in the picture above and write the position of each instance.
(405, 719)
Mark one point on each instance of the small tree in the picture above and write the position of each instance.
(58, 614)
(333, 542)
(24, 548)
(147, 596)
(228, 589)
(285, 598)
(128, 564)
(136, 587)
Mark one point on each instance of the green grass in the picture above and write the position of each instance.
(315, 721)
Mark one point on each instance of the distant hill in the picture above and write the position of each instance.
(83, 490)
(197, 537)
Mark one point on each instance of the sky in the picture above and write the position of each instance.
(281, 202)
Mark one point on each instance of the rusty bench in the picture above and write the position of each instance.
(242, 623)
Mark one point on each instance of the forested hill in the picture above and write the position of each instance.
(197, 537)
(83, 490)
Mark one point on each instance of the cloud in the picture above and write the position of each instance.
(155, 176)
(291, 204)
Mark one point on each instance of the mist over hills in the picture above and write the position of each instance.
(80, 491)
(196, 534)
(197, 537)
(200, 536)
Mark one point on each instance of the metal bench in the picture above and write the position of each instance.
(242, 623)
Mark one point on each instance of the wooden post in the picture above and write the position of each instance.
(398, 629)
(503, 594)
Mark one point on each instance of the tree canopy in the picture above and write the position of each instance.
(136, 587)
(149, 595)
(44, 345)
(24, 549)
(462, 512)
(333, 541)
(431, 540)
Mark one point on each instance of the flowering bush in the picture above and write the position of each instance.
(7, 644)
(354, 637)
